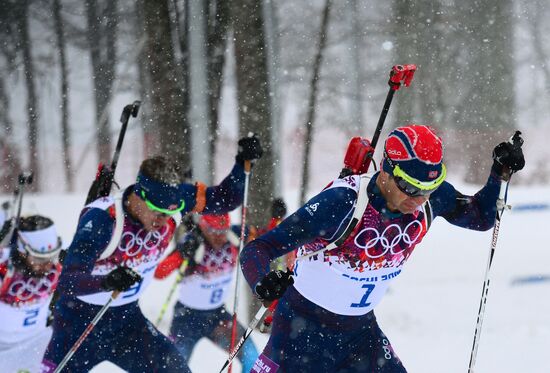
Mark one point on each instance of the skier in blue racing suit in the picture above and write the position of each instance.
(210, 249)
(324, 321)
(101, 261)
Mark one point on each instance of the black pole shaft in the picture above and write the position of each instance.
(382, 118)
(121, 135)
(23, 180)
(129, 110)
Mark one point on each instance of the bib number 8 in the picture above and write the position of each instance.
(216, 296)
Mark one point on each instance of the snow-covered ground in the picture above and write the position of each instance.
(430, 312)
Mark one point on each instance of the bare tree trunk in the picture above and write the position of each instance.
(65, 130)
(541, 57)
(315, 76)
(253, 100)
(405, 51)
(431, 61)
(271, 27)
(490, 115)
(167, 106)
(147, 126)
(357, 126)
(9, 152)
(101, 34)
(198, 91)
(218, 25)
(32, 99)
(182, 29)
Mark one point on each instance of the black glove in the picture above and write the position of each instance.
(274, 285)
(189, 246)
(120, 279)
(249, 149)
(508, 156)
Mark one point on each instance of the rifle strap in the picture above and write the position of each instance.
(360, 207)
(119, 227)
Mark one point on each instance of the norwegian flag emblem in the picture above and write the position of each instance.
(432, 174)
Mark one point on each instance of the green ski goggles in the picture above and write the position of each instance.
(161, 210)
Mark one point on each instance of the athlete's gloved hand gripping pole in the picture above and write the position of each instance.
(508, 159)
(118, 280)
(275, 283)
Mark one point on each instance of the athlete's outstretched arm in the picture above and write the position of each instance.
(324, 216)
(228, 195)
(218, 199)
(475, 212)
(92, 236)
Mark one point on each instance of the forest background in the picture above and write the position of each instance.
(304, 75)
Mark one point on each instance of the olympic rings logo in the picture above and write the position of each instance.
(133, 243)
(390, 238)
(25, 290)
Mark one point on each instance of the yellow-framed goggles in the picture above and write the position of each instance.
(413, 187)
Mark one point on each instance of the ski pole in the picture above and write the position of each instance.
(9, 229)
(87, 331)
(269, 318)
(129, 110)
(101, 186)
(24, 178)
(245, 336)
(247, 167)
(361, 152)
(398, 74)
(517, 141)
(179, 277)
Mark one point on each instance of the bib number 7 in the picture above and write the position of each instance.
(363, 302)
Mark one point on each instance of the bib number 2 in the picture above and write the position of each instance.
(363, 302)
(31, 316)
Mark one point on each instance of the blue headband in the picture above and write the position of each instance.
(160, 194)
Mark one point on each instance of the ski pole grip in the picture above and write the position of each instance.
(401, 73)
(25, 178)
(130, 110)
(135, 108)
(517, 140)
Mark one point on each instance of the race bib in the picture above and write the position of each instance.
(146, 270)
(18, 323)
(340, 291)
(205, 293)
